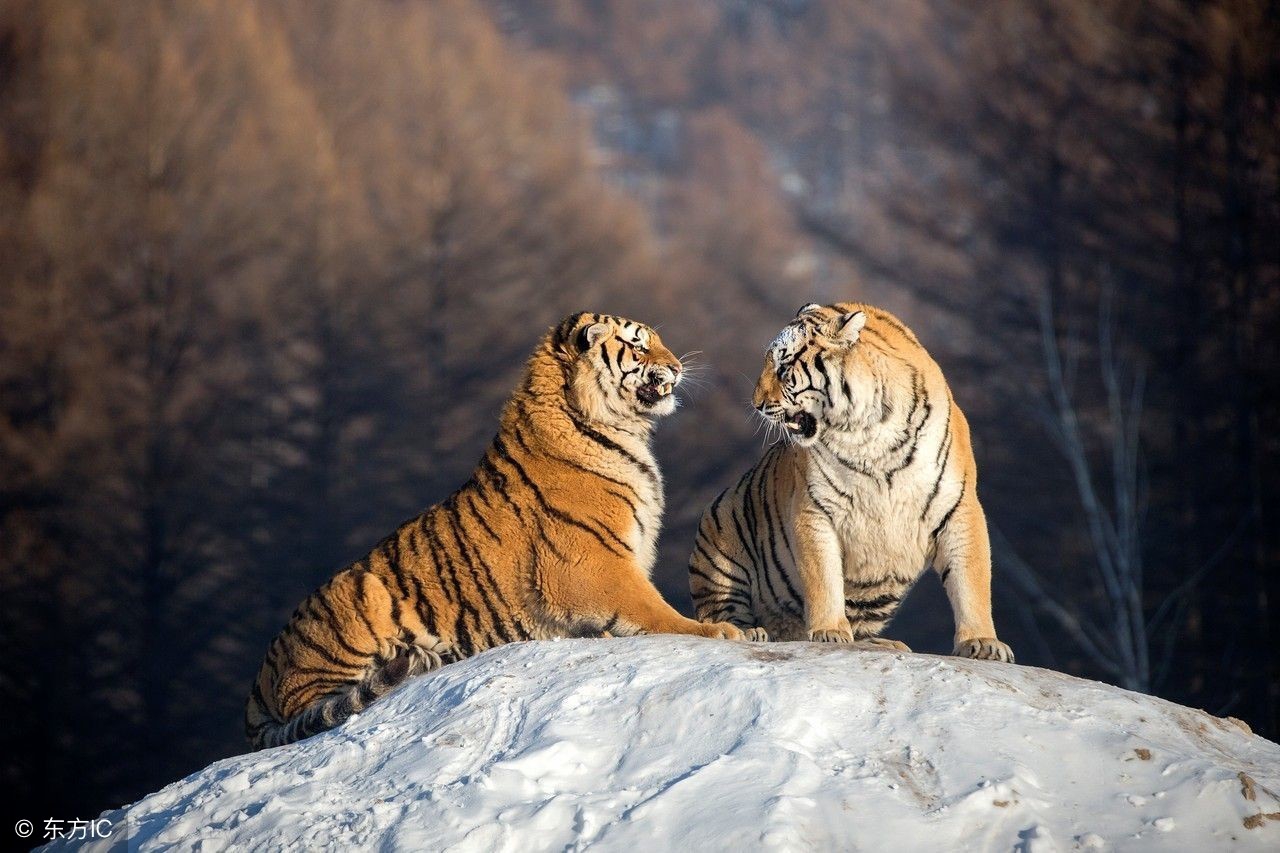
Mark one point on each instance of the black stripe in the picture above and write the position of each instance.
(501, 448)
(750, 539)
(714, 511)
(395, 569)
(782, 527)
(774, 523)
(761, 559)
(573, 463)
(562, 331)
(817, 458)
(480, 571)
(604, 389)
(323, 683)
(718, 612)
(818, 503)
(745, 580)
(889, 321)
(256, 693)
(475, 511)
(753, 542)
(445, 563)
(943, 523)
(748, 546)
(720, 593)
(499, 482)
(911, 413)
(915, 440)
(873, 603)
(886, 348)
(844, 463)
(462, 634)
(421, 603)
(419, 600)
(933, 493)
(362, 602)
(946, 430)
(869, 584)
(609, 444)
(866, 628)
(549, 542)
(632, 505)
(329, 656)
(332, 619)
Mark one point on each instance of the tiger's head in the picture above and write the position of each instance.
(616, 368)
(811, 378)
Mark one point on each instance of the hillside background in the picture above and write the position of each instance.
(268, 271)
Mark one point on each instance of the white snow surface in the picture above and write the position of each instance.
(678, 743)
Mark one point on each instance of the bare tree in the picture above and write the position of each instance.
(1122, 634)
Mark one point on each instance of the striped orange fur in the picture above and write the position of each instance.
(874, 482)
(554, 535)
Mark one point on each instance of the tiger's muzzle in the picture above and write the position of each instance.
(802, 424)
(659, 384)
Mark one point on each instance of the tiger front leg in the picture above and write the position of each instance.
(642, 610)
(963, 561)
(821, 569)
(617, 598)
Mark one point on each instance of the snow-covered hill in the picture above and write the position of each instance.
(672, 743)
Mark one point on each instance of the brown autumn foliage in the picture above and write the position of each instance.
(268, 270)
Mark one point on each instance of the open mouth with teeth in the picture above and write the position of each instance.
(652, 393)
(802, 424)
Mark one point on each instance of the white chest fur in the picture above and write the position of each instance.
(879, 506)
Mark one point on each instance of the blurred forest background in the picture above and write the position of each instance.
(268, 271)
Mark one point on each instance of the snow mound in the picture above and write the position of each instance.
(675, 743)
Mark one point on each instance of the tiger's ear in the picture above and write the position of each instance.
(806, 308)
(591, 335)
(847, 327)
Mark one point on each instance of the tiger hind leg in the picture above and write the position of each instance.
(332, 709)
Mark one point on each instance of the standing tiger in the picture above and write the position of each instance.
(554, 535)
(875, 481)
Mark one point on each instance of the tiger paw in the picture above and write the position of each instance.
(756, 634)
(984, 648)
(719, 630)
(883, 643)
(831, 635)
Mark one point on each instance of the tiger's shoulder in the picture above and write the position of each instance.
(887, 330)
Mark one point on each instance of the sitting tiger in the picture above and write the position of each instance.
(875, 481)
(554, 535)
